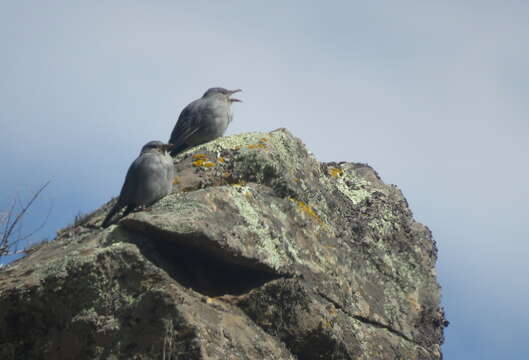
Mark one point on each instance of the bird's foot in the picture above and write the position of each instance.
(140, 208)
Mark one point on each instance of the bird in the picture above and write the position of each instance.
(203, 120)
(149, 178)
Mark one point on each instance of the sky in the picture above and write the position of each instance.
(433, 95)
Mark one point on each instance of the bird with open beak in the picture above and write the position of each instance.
(204, 119)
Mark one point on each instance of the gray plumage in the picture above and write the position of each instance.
(149, 178)
(203, 120)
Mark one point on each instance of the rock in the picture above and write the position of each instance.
(260, 252)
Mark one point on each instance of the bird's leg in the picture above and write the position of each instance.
(141, 208)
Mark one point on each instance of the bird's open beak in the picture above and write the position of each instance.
(233, 92)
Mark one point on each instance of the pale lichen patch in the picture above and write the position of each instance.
(276, 249)
(269, 245)
(234, 142)
(356, 193)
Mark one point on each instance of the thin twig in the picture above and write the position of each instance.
(11, 225)
(22, 238)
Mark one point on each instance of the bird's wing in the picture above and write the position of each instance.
(106, 223)
(130, 185)
(188, 123)
(127, 196)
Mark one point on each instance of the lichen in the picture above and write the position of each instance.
(229, 142)
(274, 208)
(203, 162)
(239, 183)
(177, 204)
(275, 248)
(256, 146)
(268, 244)
(334, 172)
(356, 195)
(199, 156)
(280, 141)
(307, 209)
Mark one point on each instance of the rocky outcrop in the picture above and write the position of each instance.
(260, 252)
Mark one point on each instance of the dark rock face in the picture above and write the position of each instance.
(260, 252)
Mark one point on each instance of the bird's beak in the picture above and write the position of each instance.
(167, 147)
(233, 92)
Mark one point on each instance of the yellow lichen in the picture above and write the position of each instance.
(239, 183)
(325, 324)
(307, 209)
(199, 156)
(335, 172)
(176, 180)
(221, 159)
(203, 163)
(257, 146)
(263, 139)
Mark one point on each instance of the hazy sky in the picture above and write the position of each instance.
(434, 95)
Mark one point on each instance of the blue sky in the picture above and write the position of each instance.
(433, 95)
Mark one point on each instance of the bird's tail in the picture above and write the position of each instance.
(178, 149)
(108, 219)
(128, 210)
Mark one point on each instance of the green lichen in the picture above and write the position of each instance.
(181, 205)
(385, 223)
(228, 142)
(271, 246)
(280, 141)
(291, 250)
(346, 180)
(277, 249)
(356, 196)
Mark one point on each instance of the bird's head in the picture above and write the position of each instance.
(156, 145)
(223, 93)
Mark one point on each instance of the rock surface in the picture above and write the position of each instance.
(260, 252)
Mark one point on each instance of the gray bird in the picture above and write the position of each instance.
(149, 178)
(203, 120)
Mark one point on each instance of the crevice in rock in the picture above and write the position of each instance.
(368, 321)
(198, 263)
(382, 326)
